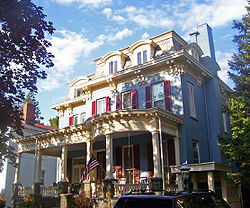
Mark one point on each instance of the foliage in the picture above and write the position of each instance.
(27, 202)
(2, 202)
(82, 200)
(54, 122)
(237, 148)
(23, 50)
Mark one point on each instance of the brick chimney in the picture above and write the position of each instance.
(29, 113)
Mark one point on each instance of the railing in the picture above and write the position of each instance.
(25, 191)
(122, 189)
(171, 187)
(49, 191)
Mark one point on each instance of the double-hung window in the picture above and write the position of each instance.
(75, 119)
(101, 106)
(191, 100)
(196, 155)
(126, 100)
(142, 57)
(158, 95)
(112, 67)
(83, 117)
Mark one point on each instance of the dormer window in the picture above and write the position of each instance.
(78, 92)
(112, 67)
(142, 57)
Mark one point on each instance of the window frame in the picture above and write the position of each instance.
(79, 166)
(195, 149)
(75, 119)
(225, 127)
(123, 93)
(152, 95)
(113, 66)
(191, 100)
(81, 117)
(123, 166)
(104, 106)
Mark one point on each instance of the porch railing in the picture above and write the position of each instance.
(25, 191)
(122, 189)
(49, 191)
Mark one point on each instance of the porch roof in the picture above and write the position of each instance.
(103, 124)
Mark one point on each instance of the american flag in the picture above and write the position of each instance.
(90, 166)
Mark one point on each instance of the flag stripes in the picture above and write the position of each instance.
(90, 166)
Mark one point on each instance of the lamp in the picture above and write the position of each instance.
(185, 175)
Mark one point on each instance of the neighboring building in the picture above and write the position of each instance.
(148, 108)
(49, 169)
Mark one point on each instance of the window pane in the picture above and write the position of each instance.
(196, 151)
(101, 106)
(139, 58)
(111, 67)
(126, 100)
(144, 56)
(115, 66)
(158, 95)
(75, 119)
(83, 117)
(191, 100)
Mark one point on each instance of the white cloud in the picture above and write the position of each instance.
(107, 12)
(216, 13)
(145, 36)
(222, 59)
(117, 36)
(67, 48)
(89, 3)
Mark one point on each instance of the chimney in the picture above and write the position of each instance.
(29, 113)
(204, 38)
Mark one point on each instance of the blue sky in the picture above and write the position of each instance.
(88, 29)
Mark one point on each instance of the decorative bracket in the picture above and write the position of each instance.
(112, 85)
(140, 77)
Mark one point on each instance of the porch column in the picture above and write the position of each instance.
(17, 173)
(210, 180)
(179, 182)
(64, 157)
(38, 165)
(109, 157)
(223, 186)
(177, 150)
(156, 180)
(156, 154)
(63, 184)
(108, 187)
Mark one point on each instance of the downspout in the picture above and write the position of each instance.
(162, 162)
(208, 124)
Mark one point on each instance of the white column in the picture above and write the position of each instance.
(17, 173)
(177, 150)
(179, 182)
(156, 154)
(109, 157)
(210, 180)
(64, 157)
(38, 165)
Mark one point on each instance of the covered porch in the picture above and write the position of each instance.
(134, 149)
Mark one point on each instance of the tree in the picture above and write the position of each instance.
(23, 50)
(54, 122)
(237, 148)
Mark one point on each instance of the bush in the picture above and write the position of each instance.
(27, 202)
(2, 202)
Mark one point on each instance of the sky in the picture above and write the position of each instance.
(89, 29)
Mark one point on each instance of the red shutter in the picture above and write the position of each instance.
(150, 161)
(148, 97)
(107, 104)
(136, 164)
(134, 99)
(171, 159)
(118, 163)
(119, 101)
(167, 92)
(93, 108)
(71, 121)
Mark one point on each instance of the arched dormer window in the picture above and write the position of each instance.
(114, 61)
(75, 87)
(194, 50)
(142, 51)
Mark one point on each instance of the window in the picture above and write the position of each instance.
(112, 67)
(191, 100)
(196, 155)
(78, 166)
(128, 163)
(78, 92)
(142, 57)
(101, 106)
(42, 177)
(83, 117)
(75, 119)
(225, 122)
(158, 95)
(126, 100)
